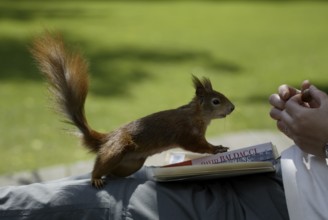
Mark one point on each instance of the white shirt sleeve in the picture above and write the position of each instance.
(305, 179)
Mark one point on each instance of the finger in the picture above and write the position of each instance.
(306, 96)
(275, 113)
(287, 119)
(294, 105)
(317, 95)
(276, 101)
(286, 92)
(283, 128)
(305, 85)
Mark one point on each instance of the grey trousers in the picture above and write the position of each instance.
(250, 197)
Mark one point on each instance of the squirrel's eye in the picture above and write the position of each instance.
(216, 101)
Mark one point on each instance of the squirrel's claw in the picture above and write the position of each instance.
(98, 183)
(220, 149)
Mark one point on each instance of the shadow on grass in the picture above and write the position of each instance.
(52, 9)
(39, 9)
(113, 71)
(16, 61)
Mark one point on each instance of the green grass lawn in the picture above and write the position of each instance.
(142, 55)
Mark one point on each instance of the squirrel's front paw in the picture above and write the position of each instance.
(220, 149)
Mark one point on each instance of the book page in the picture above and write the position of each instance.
(210, 171)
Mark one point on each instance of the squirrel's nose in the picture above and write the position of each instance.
(232, 108)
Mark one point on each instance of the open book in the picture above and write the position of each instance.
(250, 160)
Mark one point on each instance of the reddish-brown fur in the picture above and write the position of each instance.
(124, 150)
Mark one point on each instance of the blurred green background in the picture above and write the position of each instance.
(142, 55)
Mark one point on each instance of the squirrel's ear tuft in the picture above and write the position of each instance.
(207, 84)
(198, 86)
(202, 86)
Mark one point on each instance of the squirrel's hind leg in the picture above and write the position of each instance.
(122, 168)
(128, 167)
(119, 160)
(108, 160)
(103, 167)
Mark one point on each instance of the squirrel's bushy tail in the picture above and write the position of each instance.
(67, 74)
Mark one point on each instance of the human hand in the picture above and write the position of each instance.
(306, 123)
(278, 101)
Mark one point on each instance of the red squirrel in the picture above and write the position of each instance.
(123, 151)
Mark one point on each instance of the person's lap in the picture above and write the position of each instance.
(247, 197)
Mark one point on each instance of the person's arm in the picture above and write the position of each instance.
(305, 123)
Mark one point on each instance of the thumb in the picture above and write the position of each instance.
(317, 95)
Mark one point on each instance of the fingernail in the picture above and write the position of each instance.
(285, 95)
